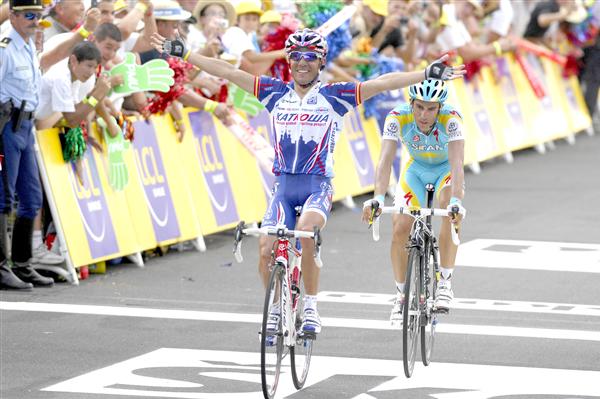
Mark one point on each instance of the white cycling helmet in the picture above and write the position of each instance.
(306, 38)
(431, 90)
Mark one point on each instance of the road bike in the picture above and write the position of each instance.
(283, 291)
(422, 275)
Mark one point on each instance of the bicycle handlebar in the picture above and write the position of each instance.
(279, 231)
(416, 214)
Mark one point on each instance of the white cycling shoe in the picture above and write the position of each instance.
(396, 317)
(444, 295)
(311, 322)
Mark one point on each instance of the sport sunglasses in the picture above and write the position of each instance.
(307, 56)
(32, 16)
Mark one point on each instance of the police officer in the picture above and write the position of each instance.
(20, 79)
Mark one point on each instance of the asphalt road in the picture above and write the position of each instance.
(526, 322)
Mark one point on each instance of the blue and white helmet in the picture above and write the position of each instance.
(431, 90)
(309, 39)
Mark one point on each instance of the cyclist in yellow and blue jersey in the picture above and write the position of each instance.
(431, 131)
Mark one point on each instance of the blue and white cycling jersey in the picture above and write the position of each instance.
(306, 129)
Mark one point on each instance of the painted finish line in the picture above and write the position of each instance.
(468, 329)
(367, 298)
(206, 374)
(532, 255)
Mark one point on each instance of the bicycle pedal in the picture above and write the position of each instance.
(441, 310)
(307, 335)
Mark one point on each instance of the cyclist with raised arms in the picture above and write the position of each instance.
(307, 119)
(431, 131)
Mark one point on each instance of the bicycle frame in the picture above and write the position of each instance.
(422, 274)
(282, 251)
(288, 256)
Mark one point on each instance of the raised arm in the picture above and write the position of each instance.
(212, 66)
(398, 80)
(64, 49)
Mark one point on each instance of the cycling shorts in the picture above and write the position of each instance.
(313, 193)
(413, 178)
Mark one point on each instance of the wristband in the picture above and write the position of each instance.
(380, 198)
(187, 55)
(455, 201)
(210, 106)
(83, 32)
(142, 7)
(91, 101)
(497, 47)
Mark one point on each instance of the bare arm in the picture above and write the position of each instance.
(129, 24)
(271, 56)
(144, 42)
(384, 167)
(3, 12)
(382, 176)
(64, 49)
(223, 69)
(389, 81)
(545, 20)
(456, 156)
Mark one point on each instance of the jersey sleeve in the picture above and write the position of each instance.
(391, 128)
(269, 90)
(343, 97)
(454, 127)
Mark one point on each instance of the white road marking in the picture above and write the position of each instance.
(468, 329)
(240, 374)
(499, 305)
(533, 255)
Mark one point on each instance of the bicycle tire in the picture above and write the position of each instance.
(301, 352)
(410, 313)
(428, 330)
(270, 363)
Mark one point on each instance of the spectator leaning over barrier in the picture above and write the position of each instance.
(64, 16)
(65, 98)
(20, 78)
(168, 14)
(500, 14)
(307, 117)
(61, 46)
(455, 36)
(545, 14)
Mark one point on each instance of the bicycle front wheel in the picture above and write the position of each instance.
(430, 284)
(271, 339)
(410, 312)
(300, 353)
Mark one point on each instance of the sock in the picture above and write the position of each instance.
(446, 273)
(36, 239)
(399, 288)
(310, 301)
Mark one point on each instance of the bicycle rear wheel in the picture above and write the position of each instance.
(410, 312)
(271, 342)
(301, 352)
(430, 285)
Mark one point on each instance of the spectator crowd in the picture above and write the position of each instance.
(61, 66)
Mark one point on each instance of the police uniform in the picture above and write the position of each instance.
(19, 96)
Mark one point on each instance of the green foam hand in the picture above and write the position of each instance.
(118, 175)
(154, 75)
(244, 101)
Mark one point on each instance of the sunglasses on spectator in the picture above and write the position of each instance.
(307, 56)
(32, 16)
